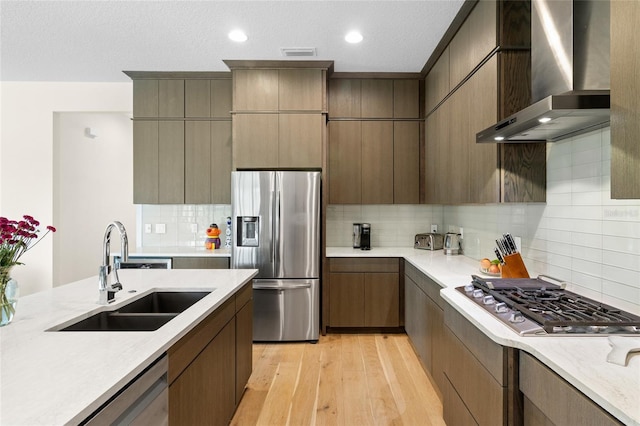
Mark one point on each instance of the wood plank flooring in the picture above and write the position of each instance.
(345, 379)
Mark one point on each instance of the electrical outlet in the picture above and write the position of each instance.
(161, 228)
(434, 228)
(194, 228)
(147, 228)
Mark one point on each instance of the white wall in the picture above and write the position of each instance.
(92, 187)
(26, 155)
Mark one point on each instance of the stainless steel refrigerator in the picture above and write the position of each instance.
(276, 215)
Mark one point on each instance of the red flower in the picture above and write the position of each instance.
(51, 228)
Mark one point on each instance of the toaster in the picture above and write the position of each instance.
(430, 241)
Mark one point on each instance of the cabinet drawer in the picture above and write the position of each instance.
(352, 264)
(187, 349)
(488, 353)
(551, 400)
(426, 284)
(481, 393)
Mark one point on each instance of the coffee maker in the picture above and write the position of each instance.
(365, 236)
(357, 229)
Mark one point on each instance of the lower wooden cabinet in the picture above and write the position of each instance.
(364, 292)
(480, 376)
(210, 366)
(549, 400)
(424, 321)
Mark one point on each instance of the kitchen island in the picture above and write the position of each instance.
(581, 361)
(54, 377)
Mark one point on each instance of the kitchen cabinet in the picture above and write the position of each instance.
(181, 137)
(481, 77)
(279, 113)
(374, 98)
(550, 400)
(480, 377)
(158, 98)
(374, 162)
(278, 140)
(158, 162)
(625, 100)
(205, 384)
(200, 262)
(363, 292)
(208, 98)
(424, 321)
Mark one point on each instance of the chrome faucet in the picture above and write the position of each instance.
(107, 291)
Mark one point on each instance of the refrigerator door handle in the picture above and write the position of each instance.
(281, 287)
(276, 232)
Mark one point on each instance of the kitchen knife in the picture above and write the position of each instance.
(511, 242)
(499, 256)
(502, 247)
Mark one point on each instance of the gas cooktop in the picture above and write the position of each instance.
(538, 307)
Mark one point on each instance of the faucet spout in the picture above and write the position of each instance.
(106, 289)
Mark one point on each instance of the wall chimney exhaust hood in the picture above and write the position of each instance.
(569, 74)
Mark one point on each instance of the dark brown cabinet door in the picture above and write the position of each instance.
(345, 162)
(244, 343)
(347, 305)
(205, 391)
(377, 98)
(406, 162)
(381, 300)
(377, 162)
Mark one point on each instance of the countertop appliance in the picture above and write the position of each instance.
(538, 307)
(357, 230)
(365, 236)
(452, 244)
(429, 241)
(276, 215)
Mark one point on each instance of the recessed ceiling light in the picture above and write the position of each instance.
(544, 119)
(353, 37)
(238, 36)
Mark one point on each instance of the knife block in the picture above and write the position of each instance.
(514, 267)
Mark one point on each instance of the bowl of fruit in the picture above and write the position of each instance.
(490, 267)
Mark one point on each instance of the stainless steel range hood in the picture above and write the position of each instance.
(569, 74)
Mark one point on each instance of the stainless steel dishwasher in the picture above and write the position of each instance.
(144, 401)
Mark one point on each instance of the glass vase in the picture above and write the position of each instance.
(8, 295)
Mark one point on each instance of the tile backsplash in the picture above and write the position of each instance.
(179, 221)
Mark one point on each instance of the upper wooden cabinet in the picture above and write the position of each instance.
(481, 77)
(208, 98)
(158, 98)
(373, 98)
(625, 100)
(374, 162)
(181, 137)
(279, 113)
(271, 86)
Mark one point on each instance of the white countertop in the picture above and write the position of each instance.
(54, 378)
(177, 252)
(581, 361)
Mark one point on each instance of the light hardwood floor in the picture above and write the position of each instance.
(345, 379)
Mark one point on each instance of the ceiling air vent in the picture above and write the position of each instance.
(298, 51)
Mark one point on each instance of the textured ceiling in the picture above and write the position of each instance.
(95, 40)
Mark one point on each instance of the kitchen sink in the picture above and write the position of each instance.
(164, 302)
(148, 313)
(116, 321)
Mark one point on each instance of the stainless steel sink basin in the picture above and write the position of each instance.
(116, 321)
(148, 313)
(164, 302)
